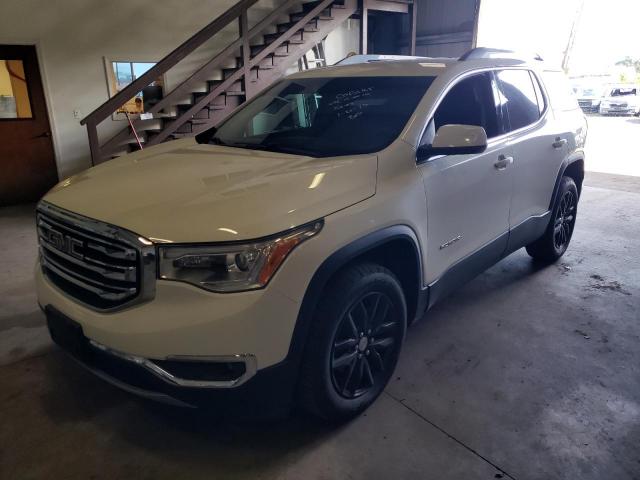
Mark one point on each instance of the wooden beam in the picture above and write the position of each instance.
(245, 49)
(364, 13)
(413, 11)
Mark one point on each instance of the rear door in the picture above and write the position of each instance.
(468, 196)
(26, 151)
(539, 143)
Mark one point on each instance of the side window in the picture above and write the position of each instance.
(539, 95)
(469, 102)
(560, 92)
(519, 95)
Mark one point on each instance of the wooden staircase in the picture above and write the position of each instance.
(258, 57)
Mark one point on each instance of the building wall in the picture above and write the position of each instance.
(445, 28)
(73, 38)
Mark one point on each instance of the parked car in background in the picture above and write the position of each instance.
(621, 100)
(589, 98)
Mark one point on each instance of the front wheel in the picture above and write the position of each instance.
(555, 240)
(354, 343)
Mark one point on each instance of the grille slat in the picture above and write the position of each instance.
(88, 260)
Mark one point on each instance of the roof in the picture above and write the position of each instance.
(409, 66)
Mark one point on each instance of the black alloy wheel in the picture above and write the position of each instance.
(363, 346)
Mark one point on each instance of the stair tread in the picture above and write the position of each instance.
(306, 28)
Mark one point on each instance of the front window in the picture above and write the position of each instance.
(324, 117)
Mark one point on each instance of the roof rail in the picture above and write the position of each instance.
(484, 52)
(354, 59)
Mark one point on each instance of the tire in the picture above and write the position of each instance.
(555, 240)
(345, 367)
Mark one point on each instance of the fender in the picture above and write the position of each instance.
(570, 160)
(335, 262)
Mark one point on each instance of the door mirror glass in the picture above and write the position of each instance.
(455, 140)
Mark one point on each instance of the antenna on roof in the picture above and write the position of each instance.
(484, 52)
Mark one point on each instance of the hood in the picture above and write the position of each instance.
(181, 191)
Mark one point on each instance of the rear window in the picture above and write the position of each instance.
(520, 97)
(559, 90)
(623, 92)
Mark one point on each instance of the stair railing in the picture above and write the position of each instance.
(238, 12)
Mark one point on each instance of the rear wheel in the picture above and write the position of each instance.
(355, 342)
(555, 240)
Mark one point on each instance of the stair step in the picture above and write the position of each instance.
(200, 121)
(309, 27)
(307, 7)
(295, 17)
(234, 87)
(280, 52)
(296, 38)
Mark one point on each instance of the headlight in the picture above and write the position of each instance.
(231, 267)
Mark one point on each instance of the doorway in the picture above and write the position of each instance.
(27, 161)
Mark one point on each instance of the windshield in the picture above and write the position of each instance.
(622, 92)
(324, 117)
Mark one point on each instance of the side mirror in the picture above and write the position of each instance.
(455, 140)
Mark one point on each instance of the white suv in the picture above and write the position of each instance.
(279, 258)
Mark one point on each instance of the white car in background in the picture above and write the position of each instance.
(621, 100)
(589, 98)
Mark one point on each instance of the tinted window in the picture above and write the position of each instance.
(324, 117)
(559, 90)
(520, 98)
(539, 95)
(469, 102)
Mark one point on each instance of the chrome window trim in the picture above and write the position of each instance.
(145, 248)
(250, 363)
(499, 138)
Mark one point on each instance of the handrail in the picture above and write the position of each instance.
(245, 66)
(115, 102)
(169, 129)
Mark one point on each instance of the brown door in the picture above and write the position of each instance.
(27, 163)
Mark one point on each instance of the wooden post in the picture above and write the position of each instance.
(246, 52)
(413, 12)
(94, 143)
(364, 12)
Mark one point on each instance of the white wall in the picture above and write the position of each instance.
(344, 39)
(73, 37)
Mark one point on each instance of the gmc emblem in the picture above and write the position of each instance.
(65, 243)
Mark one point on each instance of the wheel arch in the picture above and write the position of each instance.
(572, 167)
(378, 247)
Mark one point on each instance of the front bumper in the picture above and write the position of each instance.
(617, 111)
(268, 392)
(186, 321)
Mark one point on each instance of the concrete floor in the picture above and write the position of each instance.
(525, 373)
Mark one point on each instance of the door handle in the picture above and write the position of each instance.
(43, 135)
(503, 162)
(559, 143)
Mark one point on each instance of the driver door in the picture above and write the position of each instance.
(468, 196)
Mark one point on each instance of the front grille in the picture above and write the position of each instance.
(93, 262)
